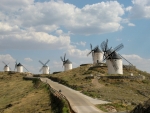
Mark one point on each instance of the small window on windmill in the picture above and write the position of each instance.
(97, 61)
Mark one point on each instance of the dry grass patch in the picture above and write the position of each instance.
(121, 92)
(18, 95)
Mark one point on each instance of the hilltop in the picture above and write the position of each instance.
(124, 91)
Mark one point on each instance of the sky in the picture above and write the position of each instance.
(33, 30)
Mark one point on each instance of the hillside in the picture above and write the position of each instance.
(21, 96)
(124, 93)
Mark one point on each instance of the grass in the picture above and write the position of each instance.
(58, 105)
(18, 95)
(117, 106)
(123, 93)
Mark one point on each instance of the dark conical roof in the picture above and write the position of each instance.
(97, 50)
(19, 64)
(67, 61)
(6, 65)
(45, 66)
(115, 56)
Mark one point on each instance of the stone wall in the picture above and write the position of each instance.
(139, 77)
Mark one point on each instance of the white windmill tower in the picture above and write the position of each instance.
(45, 67)
(6, 67)
(19, 67)
(113, 59)
(66, 63)
(97, 54)
(114, 63)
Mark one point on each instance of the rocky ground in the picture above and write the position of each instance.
(142, 108)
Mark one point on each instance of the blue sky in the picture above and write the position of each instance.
(33, 30)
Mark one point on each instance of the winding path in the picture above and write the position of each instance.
(80, 103)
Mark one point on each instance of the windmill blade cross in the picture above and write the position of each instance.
(125, 59)
(106, 45)
(93, 56)
(40, 69)
(103, 46)
(41, 62)
(91, 46)
(47, 62)
(61, 59)
(4, 63)
(108, 56)
(15, 65)
(63, 64)
(25, 68)
(95, 48)
(89, 53)
(92, 50)
(64, 56)
(117, 48)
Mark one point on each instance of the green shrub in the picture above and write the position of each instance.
(58, 105)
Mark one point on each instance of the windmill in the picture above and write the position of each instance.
(97, 54)
(45, 67)
(113, 59)
(66, 63)
(19, 67)
(6, 67)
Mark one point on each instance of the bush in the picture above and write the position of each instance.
(58, 105)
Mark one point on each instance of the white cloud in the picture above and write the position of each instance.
(14, 5)
(7, 58)
(129, 8)
(97, 18)
(33, 40)
(119, 39)
(141, 63)
(79, 43)
(5, 27)
(28, 59)
(131, 24)
(57, 64)
(125, 20)
(59, 32)
(35, 23)
(140, 9)
(44, 28)
(74, 52)
(82, 43)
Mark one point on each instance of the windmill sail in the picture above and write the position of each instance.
(44, 67)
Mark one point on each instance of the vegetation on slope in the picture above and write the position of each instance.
(27, 96)
(123, 93)
(18, 95)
